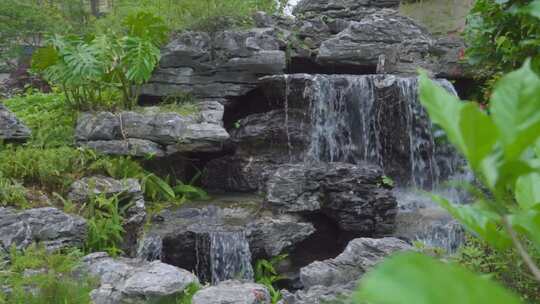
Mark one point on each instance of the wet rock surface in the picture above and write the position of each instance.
(186, 233)
(11, 128)
(125, 280)
(350, 195)
(48, 226)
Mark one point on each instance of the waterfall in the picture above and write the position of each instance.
(379, 119)
(230, 257)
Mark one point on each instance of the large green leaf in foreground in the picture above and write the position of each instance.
(413, 278)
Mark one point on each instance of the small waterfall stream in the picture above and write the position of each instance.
(230, 257)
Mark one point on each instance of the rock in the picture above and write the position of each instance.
(129, 147)
(81, 190)
(153, 132)
(233, 292)
(351, 195)
(11, 128)
(403, 44)
(135, 281)
(334, 280)
(129, 193)
(186, 232)
(359, 256)
(320, 295)
(226, 65)
(48, 226)
(344, 9)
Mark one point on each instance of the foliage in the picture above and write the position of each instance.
(159, 190)
(502, 150)
(504, 266)
(209, 15)
(52, 279)
(104, 225)
(12, 193)
(90, 69)
(51, 122)
(500, 35)
(50, 169)
(25, 23)
(416, 278)
(266, 274)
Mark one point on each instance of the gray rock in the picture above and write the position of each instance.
(11, 128)
(233, 292)
(320, 295)
(359, 256)
(153, 132)
(129, 147)
(129, 193)
(403, 44)
(223, 66)
(83, 189)
(352, 195)
(184, 233)
(48, 226)
(341, 8)
(135, 281)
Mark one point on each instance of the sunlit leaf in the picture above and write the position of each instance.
(479, 220)
(515, 108)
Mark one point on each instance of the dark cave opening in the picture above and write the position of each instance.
(302, 65)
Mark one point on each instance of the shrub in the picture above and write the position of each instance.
(50, 276)
(266, 274)
(504, 266)
(104, 225)
(88, 70)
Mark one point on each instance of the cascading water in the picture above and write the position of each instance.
(379, 119)
(230, 257)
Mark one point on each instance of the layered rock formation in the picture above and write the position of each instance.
(50, 227)
(153, 132)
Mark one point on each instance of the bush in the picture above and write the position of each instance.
(503, 266)
(89, 70)
(104, 225)
(500, 36)
(50, 277)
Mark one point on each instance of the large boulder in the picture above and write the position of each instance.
(233, 292)
(222, 65)
(354, 196)
(344, 9)
(134, 281)
(11, 128)
(48, 226)
(129, 193)
(153, 132)
(335, 279)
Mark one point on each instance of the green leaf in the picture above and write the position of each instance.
(160, 186)
(515, 108)
(467, 127)
(478, 219)
(527, 222)
(140, 59)
(413, 278)
(528, 190)
(44, 57)
(533, 8)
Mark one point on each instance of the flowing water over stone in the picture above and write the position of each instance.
(230, 257)
(379, 119)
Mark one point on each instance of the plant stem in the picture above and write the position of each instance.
(521, 249)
